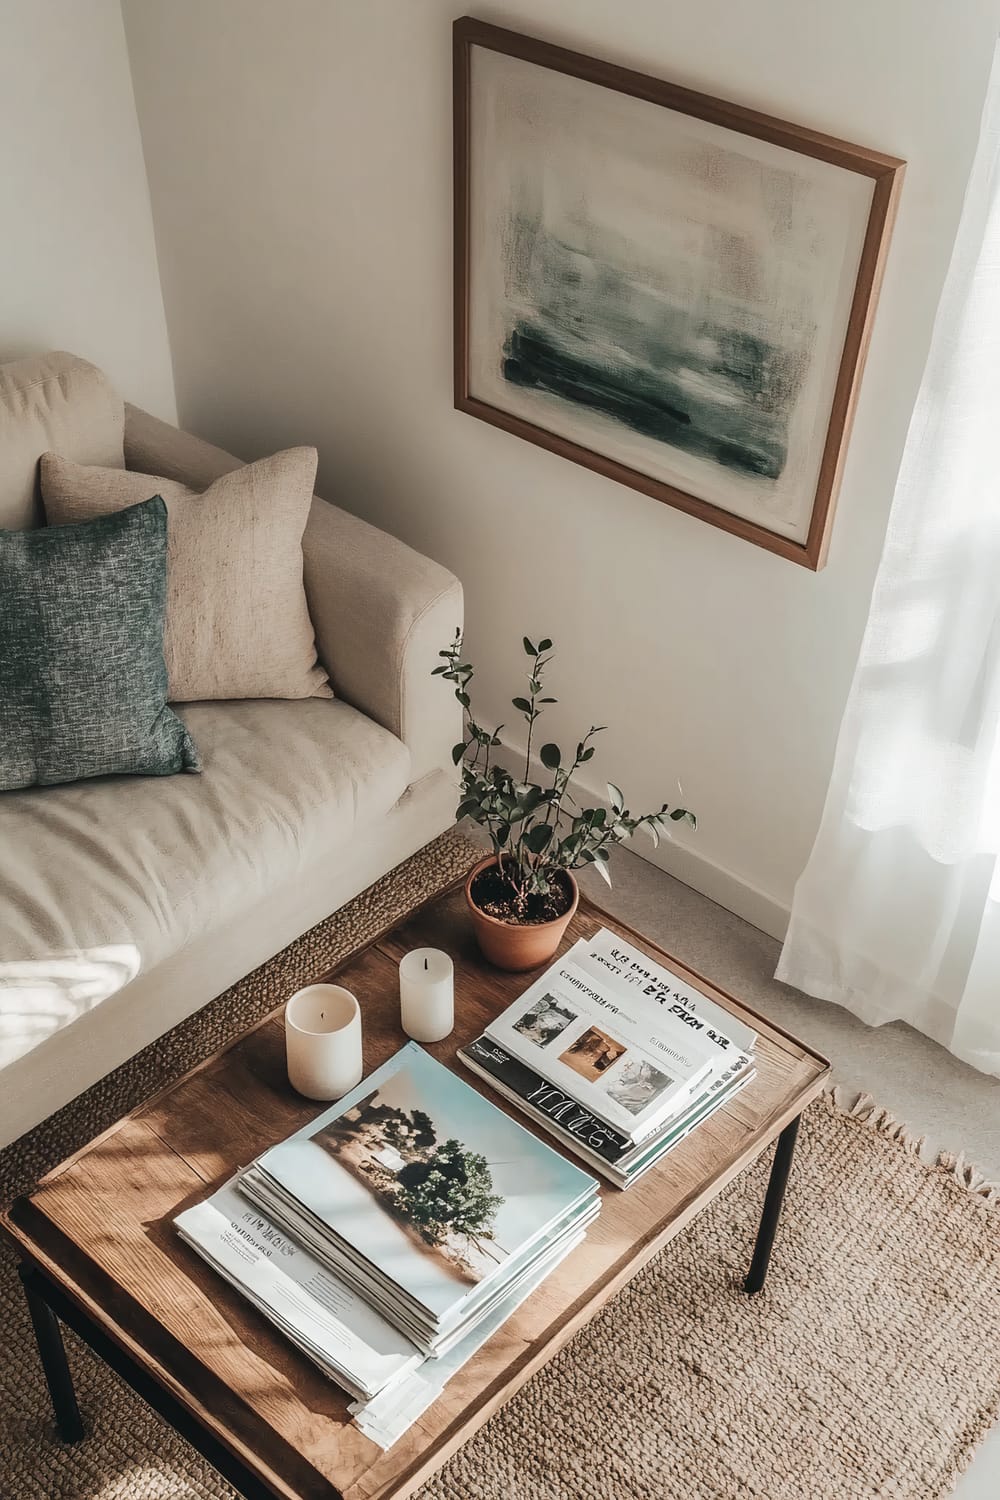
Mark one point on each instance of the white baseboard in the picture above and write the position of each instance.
(723, 886)
(736, 894)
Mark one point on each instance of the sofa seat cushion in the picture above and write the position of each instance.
(113, 876)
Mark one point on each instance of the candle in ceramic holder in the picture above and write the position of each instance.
(323, 1041)
(427, 994)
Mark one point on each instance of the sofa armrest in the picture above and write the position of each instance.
(381, 611)
(154, 447)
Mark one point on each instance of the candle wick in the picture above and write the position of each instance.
(426, 965)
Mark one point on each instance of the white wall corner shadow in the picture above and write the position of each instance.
(725, 887)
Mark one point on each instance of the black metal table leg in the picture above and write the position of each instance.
(773, 1199)
(51, 1310)
(53, 1356)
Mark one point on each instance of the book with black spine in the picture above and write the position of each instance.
(613, 1156)
(637, 1012)
(632, 1064)
(610, 957)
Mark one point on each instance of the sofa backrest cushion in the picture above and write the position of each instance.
(83, 683)
(238, 622)
(52, 403)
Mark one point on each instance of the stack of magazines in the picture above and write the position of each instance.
(617, 1056)
(395, 1233)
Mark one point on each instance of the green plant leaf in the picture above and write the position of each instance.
(548, 700)
(550, 756)
(678, 814)
(588, 754)
(604, 872)
(616, 797)
(529, 648)
(537, 837)
(545, 645)
(457, 751)
(529, 799)
(522, 705)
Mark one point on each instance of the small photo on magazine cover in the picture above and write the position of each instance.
(593, 1053)
(637, 1085)
(544, 1021)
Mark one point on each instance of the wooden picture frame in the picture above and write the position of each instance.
(712, 362)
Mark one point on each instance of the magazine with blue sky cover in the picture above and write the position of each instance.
(426, 1180)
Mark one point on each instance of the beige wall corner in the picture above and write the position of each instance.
(77, 255)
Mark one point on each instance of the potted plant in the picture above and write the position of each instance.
(523, 896)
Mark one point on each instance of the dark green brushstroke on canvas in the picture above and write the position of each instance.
(640, 399)
(692, 373)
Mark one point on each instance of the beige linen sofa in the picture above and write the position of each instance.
(128, 902)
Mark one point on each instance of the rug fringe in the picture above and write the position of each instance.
(968, 1176)
(863, 1108)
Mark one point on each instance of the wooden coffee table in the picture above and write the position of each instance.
(99, 1252)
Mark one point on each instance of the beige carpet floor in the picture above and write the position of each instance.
(869, 1368)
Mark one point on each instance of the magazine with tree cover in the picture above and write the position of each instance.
(426, 1181)
(633, 1065)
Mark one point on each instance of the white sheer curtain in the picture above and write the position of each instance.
(897, 914)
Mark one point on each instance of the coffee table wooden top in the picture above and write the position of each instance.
(100, 1227)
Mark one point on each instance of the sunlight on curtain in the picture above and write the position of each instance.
(897, 915)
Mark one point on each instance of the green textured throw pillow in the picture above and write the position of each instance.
(82, 679)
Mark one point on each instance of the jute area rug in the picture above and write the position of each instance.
(870, 1367)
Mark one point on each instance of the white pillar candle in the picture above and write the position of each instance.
(323, 1041)
(427, 994)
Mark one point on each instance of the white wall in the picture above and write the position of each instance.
(77, 256)
(299, 159)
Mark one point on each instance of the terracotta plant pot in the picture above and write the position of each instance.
(514, 945)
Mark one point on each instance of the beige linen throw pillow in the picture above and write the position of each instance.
(237, 623)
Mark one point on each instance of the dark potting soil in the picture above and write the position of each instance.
(494, 894)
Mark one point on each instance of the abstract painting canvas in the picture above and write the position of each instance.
(674, 291)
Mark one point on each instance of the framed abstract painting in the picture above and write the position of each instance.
(674, 291)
